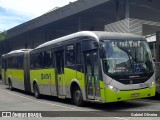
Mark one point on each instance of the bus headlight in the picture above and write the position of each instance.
(113, 88)
(151, 85)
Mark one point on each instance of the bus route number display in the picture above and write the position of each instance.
(125, 44)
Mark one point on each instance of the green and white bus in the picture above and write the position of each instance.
(87, 66)
(15, 68)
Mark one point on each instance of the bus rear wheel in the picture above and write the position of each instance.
(10, 84)
(77, 97)
(36, 91)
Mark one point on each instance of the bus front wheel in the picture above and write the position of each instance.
(77, 97)
(36, 91)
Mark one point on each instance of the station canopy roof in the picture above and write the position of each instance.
(87, 15)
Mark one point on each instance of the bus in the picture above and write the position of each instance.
(14, 69)
(87, 66)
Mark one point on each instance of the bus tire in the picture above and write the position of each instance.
(77, 97)
(36, 91)
(10, 84)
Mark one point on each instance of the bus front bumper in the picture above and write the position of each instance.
(111, 96)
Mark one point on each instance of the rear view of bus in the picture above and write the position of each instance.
(128, 70)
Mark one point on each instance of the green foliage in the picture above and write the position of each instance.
(3, 35)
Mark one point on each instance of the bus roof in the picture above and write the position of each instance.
(16, 52)
(98, 35)
(74, 35)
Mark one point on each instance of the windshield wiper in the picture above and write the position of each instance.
(129, 56)
(131, 59)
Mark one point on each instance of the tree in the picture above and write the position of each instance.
(3, 35)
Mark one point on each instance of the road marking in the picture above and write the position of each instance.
(38, 100)
(120, 118)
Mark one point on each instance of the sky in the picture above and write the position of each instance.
(15, 12)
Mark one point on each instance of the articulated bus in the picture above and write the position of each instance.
(84, 66)
(15, 68)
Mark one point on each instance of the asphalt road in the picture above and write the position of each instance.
(24, 103)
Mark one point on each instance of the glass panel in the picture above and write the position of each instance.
(70, 55)
(95, 63)
(78, 53)
(20, 61)
(2, 63)
(60, 63)
(96, 73)
(89, 74)
(88, 63)
(38, 60)
(127, 56)
(48, 59)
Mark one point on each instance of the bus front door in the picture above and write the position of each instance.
(92, 75)
(60, 83)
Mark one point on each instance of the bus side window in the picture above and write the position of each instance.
(14, 62)
(2, 62)
(32, 59)
(10, 62)
(20, 62)
(38, 60)
(78, 53)
(48, 59)
(70, 55)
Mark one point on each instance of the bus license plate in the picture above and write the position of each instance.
(143, 85)
(135, 95)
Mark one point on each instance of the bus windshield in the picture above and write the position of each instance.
(127, 57)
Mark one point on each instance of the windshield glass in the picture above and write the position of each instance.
(127, 56)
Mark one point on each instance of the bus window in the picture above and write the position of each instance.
(60, 62)
(32, 59)
(14, 62)
(36, 60)
(10, 62)
(78, 53)
(2, 63)
(70, 55)
(20, 62)
(47, 59)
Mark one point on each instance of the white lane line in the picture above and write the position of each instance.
(120, 118)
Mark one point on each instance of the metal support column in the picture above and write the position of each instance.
(126, 8)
